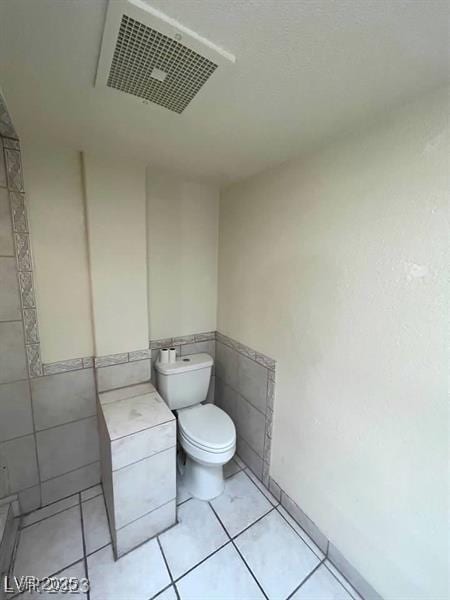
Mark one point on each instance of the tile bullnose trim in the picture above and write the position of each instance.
(34, 360)
(139, 354)
(205, 337)
(26, 289)
(63, 366)
(9, 141)
(6, 127)
(18, 211)
(182, 340)
(14, 169)
(88, 362)
(161, 343)
(110, 359)
(259, 357)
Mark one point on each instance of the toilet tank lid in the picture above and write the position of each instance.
(191, 362)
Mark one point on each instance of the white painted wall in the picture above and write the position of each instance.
(335, 266)
(182, 248)
(116, 223)
(182, 223)
(54, 199)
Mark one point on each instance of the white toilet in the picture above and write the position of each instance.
(205, 431)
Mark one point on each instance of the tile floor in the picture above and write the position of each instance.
(240, 545)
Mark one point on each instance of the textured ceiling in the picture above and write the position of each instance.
(305, 70)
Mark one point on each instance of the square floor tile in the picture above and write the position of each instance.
(322, 584)
(240, 504)
(50, 545)
(277, 556)
(138, 575)
(223, 576)
(345, 584)
(50, 510)
(78, 571)
(168, 594)
(270, 497)
(197, 534)
(95, 524)
(301, 532)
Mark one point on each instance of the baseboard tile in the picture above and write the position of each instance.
(333, 555)
(304, 521)
(361, 585)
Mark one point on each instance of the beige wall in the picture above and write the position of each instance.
(58, 235)
(335, 266)
(116, 222)
(182, 247)
(182, 224)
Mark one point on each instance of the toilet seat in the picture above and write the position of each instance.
(207, 427)
(185, 440)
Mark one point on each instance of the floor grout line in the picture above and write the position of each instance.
(258, 488)
(90, 498)
(54, 574)
(59, 499)
(173, 582)
(162, 591)
(251, 572)
(14, 556)
(184, 501)
(88, 593)
(352, 589)
(238, 551)
(167, 567)
(297, 533)
(305, 579)
(91, 488)
(201, 561)
(89, 554)
(272, 508)
(49, 516)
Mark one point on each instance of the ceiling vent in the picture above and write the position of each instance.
(151, 57)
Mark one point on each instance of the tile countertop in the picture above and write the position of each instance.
(132, 409)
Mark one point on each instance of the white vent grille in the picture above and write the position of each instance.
(143, 55)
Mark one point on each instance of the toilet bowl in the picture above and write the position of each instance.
(208, 437)
(205, 432)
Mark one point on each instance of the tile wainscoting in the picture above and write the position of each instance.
(48, 423)
(245, 389)
(19, 336)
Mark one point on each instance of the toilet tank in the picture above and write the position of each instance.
(184, 382)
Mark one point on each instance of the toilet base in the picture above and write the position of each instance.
(203, 482)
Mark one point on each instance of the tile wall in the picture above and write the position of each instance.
(245, 387)
(48, 423)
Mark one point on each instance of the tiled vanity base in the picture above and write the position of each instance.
(138, 461)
